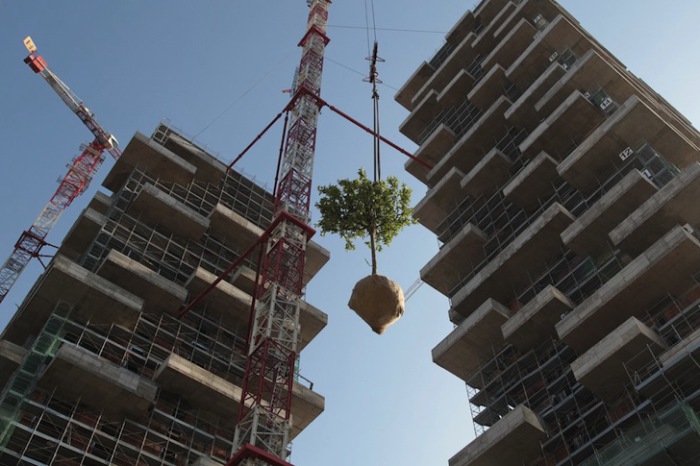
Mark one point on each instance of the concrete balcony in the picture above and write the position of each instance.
(439, 201)
(515, 439)
(91, 297)
(212, 393)
(666, 268)
(455, 259)
(238, 232)
(453, 93)
(492, 86)
(488, 37)
(156, 207)
(431, 152)
(421, 117)
(472, 343)
(11, 356)
(587, 236)
(159, 294)
(81, 234)
(526, 255)
(677, 364)
(603, 368)
(231, 306)
(461, 55)
(75, 373)
(208, 168)
(533, 183)
(511, 46)
(590, 72)
(572, 121)
(419, 77)
(148, 155)
(560, 35)
(674, 204)
(535, 322)
(632, 125)
(487, 176)
(523, 112)
(475, 143)
(100, 203)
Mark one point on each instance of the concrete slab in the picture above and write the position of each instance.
(590, 72)
(238, 232)
(472, 343)
(487, 176)
(212, 393)
(159, 294)
(510, 270)
(419, 77)
(156, 207)
(535, 322)
(488, 37)
(666, 268)
(533, 184)
(421, 116)
(559, 36)
(440, 200)
(512, 440)
(587, 235)
(523, 112)
(431, 152)
(148, 155)
(672, 205)
(208, 168)
(462, 53)
(572, 121)
(11, 356)
(455, 260)
(602, 369)
(489, 88)
(231, 306)
(91, 297)
(513, 44)
(632, 125)
(75, 373)
(79, 237)
(475, 143)
(100, 203)
(455, 90)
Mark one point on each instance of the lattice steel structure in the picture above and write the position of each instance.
(264, 424)
(75, 182)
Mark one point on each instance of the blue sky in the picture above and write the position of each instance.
(216, 69)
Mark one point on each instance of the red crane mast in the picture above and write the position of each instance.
(81, 171)
(264, 423)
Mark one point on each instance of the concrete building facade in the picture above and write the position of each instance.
(564, 194)
(98, 365)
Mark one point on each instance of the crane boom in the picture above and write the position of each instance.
(37, 63)
(80, 173)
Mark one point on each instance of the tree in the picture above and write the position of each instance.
(361, 208)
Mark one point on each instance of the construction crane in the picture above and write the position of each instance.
(80, 172)
(264, 424)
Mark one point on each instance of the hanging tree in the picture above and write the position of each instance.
(374, 211)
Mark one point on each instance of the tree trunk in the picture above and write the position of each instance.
(373, 247)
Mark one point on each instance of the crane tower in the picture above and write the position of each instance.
(80, 173)
(264, 423)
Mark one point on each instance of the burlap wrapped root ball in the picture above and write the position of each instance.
(378, 300)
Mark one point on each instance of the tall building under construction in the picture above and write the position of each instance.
(99, 365)
(564, 192)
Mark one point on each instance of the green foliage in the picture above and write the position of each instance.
(361, 208)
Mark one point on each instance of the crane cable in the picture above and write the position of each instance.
(374, 80)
